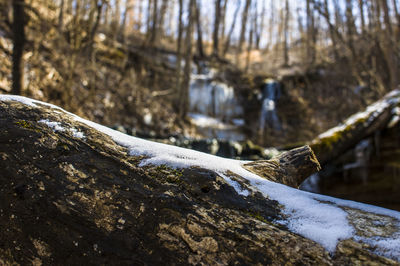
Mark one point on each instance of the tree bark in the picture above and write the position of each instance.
(310, 44)
(154, 29)
(179, 56)
(184, 93)
(223, 21)
(286, 35)
(229, 36)
(332, 31)
(333, 143)
(161, 20)
(94, 198)
(199, 31)
(290, 168)
(18, 46)
(217, 18)
(389, 46)
(128, 8)
(260, 29)
(362, 17)
(95, 26)
(245, 15)
(61, 16)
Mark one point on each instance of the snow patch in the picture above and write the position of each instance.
(307, 214)
(207, 121)
(56, 126)
(368, 115)
(21, 99)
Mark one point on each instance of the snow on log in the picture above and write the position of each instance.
(334, 142)
(75, 192)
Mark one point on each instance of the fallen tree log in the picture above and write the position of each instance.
(290, 168)
(334, 142)
(75, 192)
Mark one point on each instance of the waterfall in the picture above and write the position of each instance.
(212, 98)
(214, 107)
(269, 117)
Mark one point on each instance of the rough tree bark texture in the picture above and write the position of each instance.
(336, 141)
(290, 168)
(85, 201)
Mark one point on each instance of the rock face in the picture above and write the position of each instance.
(70, 195)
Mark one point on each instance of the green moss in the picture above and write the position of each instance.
(257, 216)
(166, 173)
(165, 168)
(26, 125)
(327, 143)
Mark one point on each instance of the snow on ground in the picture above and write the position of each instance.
(317, 217)
(238, 121)
(201, 120)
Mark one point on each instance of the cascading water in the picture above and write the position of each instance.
(213, 105)
(213, 98)
(269, 117)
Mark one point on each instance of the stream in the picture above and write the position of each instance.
(370, 173)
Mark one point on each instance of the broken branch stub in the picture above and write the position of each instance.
(290, 168)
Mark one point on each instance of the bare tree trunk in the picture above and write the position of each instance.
(95, 27)
(153, 32)
(271, 24)
(286, 33)
(199, 31)
(249, 46)
(171, 17)
(217, 17)
(338, 140)
(310, 42)
(243, 29)
(338, 15)
(332, 32)
(128, 8)
(106, 15)
(184, 104)
(116, 19)
(179, 55)
(161, 20)
(18, 46)
(389, 47)
(260, 30)
(350, 24)
(300, 25)
(361, 7)
(223, 21)
(61, 16)
(139, 21)
(229, 36)
(396, 12)
(149, 16)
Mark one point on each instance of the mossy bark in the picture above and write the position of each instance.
(85, 201)
(356, 128)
